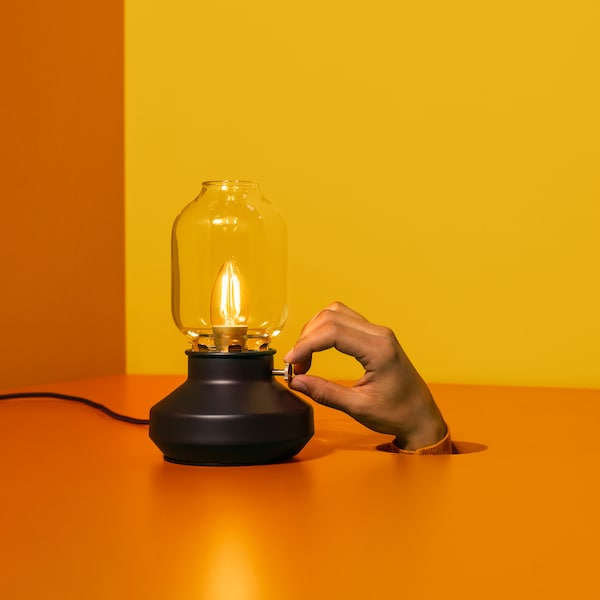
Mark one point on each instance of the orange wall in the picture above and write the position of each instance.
(62, 216)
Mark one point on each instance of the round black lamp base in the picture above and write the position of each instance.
(230, 411)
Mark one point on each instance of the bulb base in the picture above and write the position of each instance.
(230, 411)
(230, 338)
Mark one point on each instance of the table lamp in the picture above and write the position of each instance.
(228, 284)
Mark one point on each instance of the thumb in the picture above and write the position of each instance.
(323, 391)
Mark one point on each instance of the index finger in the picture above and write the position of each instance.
(342, 332)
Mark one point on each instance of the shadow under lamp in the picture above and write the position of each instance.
(228, 283)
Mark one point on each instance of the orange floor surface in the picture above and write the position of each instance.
(89, 509)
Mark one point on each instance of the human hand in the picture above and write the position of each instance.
(391, 397)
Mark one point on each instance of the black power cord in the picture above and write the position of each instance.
(96, 405)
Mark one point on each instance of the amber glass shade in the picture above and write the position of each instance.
(229, 268)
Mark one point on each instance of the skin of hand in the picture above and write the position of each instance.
(390, 397)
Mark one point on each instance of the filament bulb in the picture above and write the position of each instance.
(229, 309)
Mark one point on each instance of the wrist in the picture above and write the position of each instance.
(429, 429)
(422, 440)
(443, 446)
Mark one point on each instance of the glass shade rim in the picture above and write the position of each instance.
(230, 183)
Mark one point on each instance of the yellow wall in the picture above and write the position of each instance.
(436, 163)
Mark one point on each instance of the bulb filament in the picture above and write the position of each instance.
(229, 309)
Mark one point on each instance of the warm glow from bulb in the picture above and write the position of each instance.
(228, 303)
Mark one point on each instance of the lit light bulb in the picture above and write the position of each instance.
(229, 309)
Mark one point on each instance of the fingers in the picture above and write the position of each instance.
(336, 312)
(324, 392)
(338, 327)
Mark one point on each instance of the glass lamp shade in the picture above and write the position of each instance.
(229, 269)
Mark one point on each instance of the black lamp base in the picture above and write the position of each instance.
(230, 411)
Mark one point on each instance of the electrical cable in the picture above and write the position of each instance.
(91, 403)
